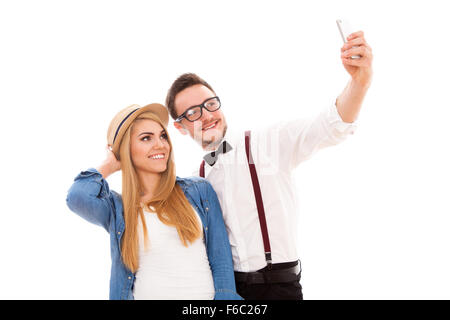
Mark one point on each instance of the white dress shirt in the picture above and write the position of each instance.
(276, 152)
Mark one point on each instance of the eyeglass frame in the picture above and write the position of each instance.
(202, 106)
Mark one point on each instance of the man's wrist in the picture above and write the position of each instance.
(362, 83)
(361, 86)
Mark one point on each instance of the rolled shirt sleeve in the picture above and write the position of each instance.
(291, 142)
(338, 126)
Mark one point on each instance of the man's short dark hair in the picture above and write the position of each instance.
(184, 81)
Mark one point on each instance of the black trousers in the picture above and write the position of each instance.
(272, 291)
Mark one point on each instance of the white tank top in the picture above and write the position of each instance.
(168, 270)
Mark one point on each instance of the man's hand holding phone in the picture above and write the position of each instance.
(356, 56)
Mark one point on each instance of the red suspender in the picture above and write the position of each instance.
(259, 201)
(202, 169)
(258, 198)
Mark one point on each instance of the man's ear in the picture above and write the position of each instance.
(180, 128)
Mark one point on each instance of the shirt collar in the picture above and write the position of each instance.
(230, 137)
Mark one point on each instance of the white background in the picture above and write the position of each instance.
(374, 210)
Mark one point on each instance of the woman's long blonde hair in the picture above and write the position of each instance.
(169, 202)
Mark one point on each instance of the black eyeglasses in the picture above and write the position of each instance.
(196, 112)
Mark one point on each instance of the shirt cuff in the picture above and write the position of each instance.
(336, 122)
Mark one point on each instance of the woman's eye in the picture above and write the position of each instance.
(146, 138)
(164, 136)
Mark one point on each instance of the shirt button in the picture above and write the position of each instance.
(129, 278)
(118, 232)
(207, 208)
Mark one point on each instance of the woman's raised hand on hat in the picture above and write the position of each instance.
(109, 165)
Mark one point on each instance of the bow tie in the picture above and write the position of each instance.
(211, 157)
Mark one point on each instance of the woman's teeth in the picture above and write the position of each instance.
(157, 156)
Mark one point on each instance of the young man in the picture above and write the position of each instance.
(251, 172)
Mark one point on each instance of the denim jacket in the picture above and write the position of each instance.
(90, 197)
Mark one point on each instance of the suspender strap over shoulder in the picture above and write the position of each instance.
(258, 198)
(202, 169)
(259, 201)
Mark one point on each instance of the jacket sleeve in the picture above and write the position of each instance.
(90, 198)
(218, 249)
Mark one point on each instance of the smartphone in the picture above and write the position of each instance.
(345, 29)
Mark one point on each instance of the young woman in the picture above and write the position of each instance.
(168, 238)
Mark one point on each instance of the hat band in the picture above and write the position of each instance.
(121, 123)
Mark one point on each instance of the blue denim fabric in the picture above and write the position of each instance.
(90, 198)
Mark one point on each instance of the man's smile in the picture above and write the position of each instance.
(210, 125)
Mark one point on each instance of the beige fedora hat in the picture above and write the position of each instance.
(120, 123)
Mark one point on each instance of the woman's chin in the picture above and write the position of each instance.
(154, 169)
